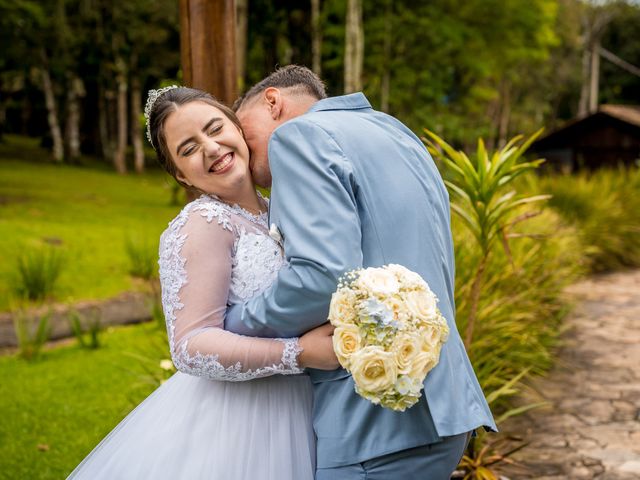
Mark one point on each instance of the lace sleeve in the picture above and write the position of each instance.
(196, 254)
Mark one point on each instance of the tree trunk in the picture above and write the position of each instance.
(119, 159)
(354, 47)
(595, 77)
(242, 20)
(136, 131)
(103, 125)
(583, 106)
(594, 23)
(75, 90)
(52, 113)
(208, 47)
(386, 55)
(3, 116)
(316, 38)
(25, 115)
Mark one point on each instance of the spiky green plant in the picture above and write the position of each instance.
(38, 270)
(484, 198)
(31, 332)
(88, 335)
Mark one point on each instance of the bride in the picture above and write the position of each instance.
(239, 407)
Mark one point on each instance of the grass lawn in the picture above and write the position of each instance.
(87, 212)
(57, 408)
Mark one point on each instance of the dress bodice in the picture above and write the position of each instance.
(212, 255)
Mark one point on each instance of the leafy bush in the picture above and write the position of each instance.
(32, 333)
(38, 270)
(604, 206)
(522, 304)
(143, 258)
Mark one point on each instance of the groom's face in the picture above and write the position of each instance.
(258, 125)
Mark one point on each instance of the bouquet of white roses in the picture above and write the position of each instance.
(388, 334)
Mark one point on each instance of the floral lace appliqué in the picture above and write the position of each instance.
(208, 365)
(255, 265)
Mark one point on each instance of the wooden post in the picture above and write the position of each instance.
(208, 47)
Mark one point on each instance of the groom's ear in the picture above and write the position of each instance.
(273, 97)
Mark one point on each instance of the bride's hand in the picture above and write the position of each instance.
(317, 347)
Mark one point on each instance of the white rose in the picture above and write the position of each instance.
(422, 305)
(406, 277)
(378, 281)
(406, 346)
(346, 341)
(422, 364)
(373, 369)
(431, 337)
(341, 309)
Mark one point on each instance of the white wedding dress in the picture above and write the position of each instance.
(239, 407)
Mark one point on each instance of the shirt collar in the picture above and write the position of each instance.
(353, 101)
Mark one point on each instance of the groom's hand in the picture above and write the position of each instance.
(317, 349)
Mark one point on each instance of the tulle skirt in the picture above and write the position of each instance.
(198, 429)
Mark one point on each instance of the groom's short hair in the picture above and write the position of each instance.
(295, 78)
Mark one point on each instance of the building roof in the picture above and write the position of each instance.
(626, 113)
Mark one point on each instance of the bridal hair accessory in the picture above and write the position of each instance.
(151, 100)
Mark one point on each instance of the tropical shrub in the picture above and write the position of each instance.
(512, 263)
(480, 198)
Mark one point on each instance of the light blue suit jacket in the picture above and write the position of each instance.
(353, 187)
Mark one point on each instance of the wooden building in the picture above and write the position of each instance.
(609, 137)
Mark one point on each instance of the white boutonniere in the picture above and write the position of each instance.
(274, 232)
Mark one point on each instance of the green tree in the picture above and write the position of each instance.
(622, 38)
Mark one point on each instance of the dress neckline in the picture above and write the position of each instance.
(260, 218)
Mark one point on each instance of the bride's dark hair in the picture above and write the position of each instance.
(164, 106)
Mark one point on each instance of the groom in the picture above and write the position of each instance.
(353, 187)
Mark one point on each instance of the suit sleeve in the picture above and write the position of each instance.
(313, 204)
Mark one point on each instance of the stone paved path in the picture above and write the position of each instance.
(591, 430)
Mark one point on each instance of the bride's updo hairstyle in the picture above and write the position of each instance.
(164, 102)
